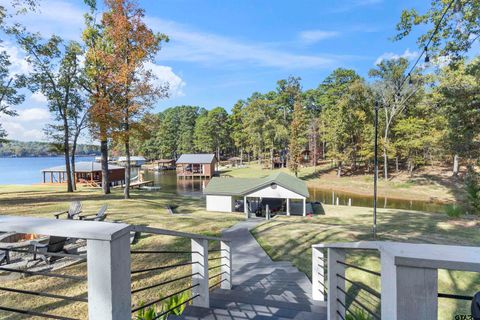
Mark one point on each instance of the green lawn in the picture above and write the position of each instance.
(284, 238)
(290, 238)
(145, 208)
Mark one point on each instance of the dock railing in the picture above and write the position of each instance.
(110, 279)
(408, 278)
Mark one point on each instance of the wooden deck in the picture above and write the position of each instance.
(262, 288)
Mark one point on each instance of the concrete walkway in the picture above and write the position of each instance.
(262, 288)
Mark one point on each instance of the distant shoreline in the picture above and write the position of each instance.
(46, 156)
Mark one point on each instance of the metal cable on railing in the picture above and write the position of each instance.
(361, 286)
(216, 267)
(217, 275)
(359, 268)
(45, 274)
(176, 307)
(200, 266)
(163, 283)
(163, 298)
(34, 313)
(352, 298)
(217, 258)
(216, 284)
(346, 310)
(44, 294)
(51, 254)
(161, 251)
(340, 315)
(163, 267)
(454, 296)
(45, 254)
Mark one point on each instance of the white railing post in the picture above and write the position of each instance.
(226, 262)
(200, 273)
(388, 284)
(109, 287)
(318, 274)
(245, 208)
(334, 282)
(408, 290)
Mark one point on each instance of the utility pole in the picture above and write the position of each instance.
(375, 173)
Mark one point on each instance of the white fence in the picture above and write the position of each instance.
(408, 276)
(109, 262)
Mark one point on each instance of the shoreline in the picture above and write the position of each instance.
(380, 194)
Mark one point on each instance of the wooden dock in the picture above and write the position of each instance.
(189, 175)
(139, 184)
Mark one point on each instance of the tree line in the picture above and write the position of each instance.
(434, 118)
(103, 86)
(14, 148)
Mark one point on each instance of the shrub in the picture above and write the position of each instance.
(357, 314)
(168, 307)
(454, 211)
(472, 187)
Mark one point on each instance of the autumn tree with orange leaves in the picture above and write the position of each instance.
(102, 91)
(121, 48)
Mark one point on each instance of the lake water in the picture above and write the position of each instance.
(28, 171)
(168, 182)
(330, 197)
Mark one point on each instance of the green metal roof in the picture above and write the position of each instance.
(244, 186)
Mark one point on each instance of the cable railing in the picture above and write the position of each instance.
(200, 264)
(17, 268)
(348, 295)
(112, 266)
(405, 288)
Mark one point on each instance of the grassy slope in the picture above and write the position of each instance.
(427, 184)
(146, 208)
(290, 238)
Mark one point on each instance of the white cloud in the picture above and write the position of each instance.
(33, 114)
(61, 18)
(166, 75)
(187, 44)
(312, 36)
(38, 97)
(194, 46)
(407, 54)
(28, 125)
(16, 57)
(348, 5)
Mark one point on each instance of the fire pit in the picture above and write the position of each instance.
(13, 239)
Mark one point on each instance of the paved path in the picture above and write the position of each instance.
(262, 288)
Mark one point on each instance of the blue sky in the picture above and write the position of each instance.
(222, 51)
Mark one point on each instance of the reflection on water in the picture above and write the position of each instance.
(167, 181)
(330, 197)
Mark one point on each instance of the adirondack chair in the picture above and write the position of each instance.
(99, 216)
(4, 256)
(134, 237)
(54, 245)
(169, 209)
(74, 210)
